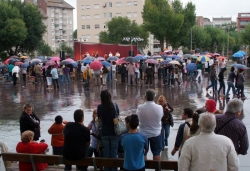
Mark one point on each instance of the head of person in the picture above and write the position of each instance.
(162, 100)
(232, 69)
(58, 119)
(106, 98)
(49, 67)
(210, 105)
(187, 113)
(113, 63)
(194, 126)
(150, 94)
(134, 121)
(207, 122)
(127, 120)
(241, 70)
(94, 115)
(28, 108)
(234, 106)
(27, 136)
(78, 116)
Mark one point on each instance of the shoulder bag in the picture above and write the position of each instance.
(119, 126)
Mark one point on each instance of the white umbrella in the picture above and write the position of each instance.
(175, 62)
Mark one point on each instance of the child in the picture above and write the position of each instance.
(95, 133)
(57, 139)
(134, 144)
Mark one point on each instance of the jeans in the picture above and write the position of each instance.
(61, 79)
(241, 89)
(14, 78)
(10, 76)
(86, 85)
(212, 84)
(229, 86)
(110, 147)
(88, 153)
(67, 78)
(199, 75)
(55, 83)
(149, 79)
(191, 76)
(131, 78)
(136, 77)
(222, 85)
(113, 75)
(165, 134)
(104, 78)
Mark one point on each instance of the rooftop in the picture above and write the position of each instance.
(59, 3)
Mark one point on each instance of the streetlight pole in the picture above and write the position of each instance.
(227, 41)
(80, 48)
(191, 40)
(60, 43)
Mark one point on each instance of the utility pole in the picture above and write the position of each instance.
(191, 40)
(227, 41)
(60, 43)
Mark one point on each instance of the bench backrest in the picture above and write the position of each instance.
(89, 161)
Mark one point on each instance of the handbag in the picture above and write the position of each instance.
(119, 126)
(171, 120)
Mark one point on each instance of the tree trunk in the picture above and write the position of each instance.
(162, 44)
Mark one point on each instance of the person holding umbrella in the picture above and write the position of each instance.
(87, 76)
(131, 73)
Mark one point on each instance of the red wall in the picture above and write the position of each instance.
(102, 49)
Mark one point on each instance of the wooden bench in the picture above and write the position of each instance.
(89, 161)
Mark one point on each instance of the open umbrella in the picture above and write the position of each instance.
(151, 61)
(89, 58)
(38, 60)
(64, 62)
(221, 58)
(86, 61)
(216, 54)
(238, 55)
(3, 66)
(175, 62)
(131, 59)
(174, 56)
(56, 58)
(100, 58)
(187, 56)
(14, 57)
(18, 63)
(112, 58)
(24, 57)
(165, 62)
(34, 63)
(95, 65)
(50, 63)
(74, 64)
(242, 52)
(203, 59)
(70, 60)
(121, 61)
(139, 57)
(12, 60)
(25, 65)
(155, 57)
(105, 63)
(240, 66)
(191, 67)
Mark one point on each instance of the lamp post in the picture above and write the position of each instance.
(227, 42)
(60, 43)
(191, 41)
(131, 39)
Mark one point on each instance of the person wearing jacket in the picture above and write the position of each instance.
(87, 76)
(221, 81)
(165, 121)
(29, 121)
(213, 79)
(122, 71)
(57, 138)
(29, 146)
(240, 83)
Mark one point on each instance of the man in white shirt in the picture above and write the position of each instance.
(208, 151)
(150, 115)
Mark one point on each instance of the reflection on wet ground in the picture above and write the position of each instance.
(48, 104)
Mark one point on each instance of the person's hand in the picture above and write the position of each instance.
(65, 122)
(173, 152)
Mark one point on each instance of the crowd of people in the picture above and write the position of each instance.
(208, 139)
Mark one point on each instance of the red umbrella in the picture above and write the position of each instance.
(6, 62)
(56, 58)
(50, 63)
(221, 58)
(151, 61)
(18, 63)
(121, 61)
(96, 65)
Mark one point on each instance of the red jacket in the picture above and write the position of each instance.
(33, 148)
(57, 138)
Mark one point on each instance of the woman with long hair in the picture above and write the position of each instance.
(95, 133)
(106, 112)
(167, 109)
(195, 128)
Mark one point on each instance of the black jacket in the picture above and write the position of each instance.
(30, 122)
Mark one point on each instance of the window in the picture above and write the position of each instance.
(96, 6)
(135, 3)
(97, 26)
(104, 15)
(70, 22)
(52, 32)
(135, 14)
(87, 26)
(87, 7)
(53, 37)
(104, 25)
(88, 36)
(110, 14)
(60, 15)
(53, 44)
(60, 20)
(118, 4)
(129, 3)
(110, 4)
(128, 14)
(87, 17)
(52, 20)
(70, 27)
(97, 36)
(97, 16)
(52, 9)
(118, 14)
(70, 33)
(52, 26)
(83, 37)
(52, 15)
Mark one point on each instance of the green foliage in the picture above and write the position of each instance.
(68, 50)
(75, 34)
(245, 35)
(22, 25)
(120, 27)
(44, 50)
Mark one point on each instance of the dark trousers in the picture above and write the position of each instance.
(222, 85)
(10, 76)
(142, 169)
(55, 83)
(14, 78)
(123, 78)
(24, 79)
(57, 150)
(86, 85)
(149, 78)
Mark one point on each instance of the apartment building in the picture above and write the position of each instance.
(92, 16)
(243, 19)
(58, 18)
(220, 21)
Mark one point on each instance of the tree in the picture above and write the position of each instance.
(120, 27)
(245, 35)
(44, 49)
(68, 50)
(75, 34)
(32, 18)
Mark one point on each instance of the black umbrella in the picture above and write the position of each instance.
(131, 59)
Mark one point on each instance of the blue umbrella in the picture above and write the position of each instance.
(40, 57)
(191, 67)
(25, 65)
(238, 55)
(139, 58)
(87, 61)
(3, 67)
(174, 56)
(239, 66)
(112, 58)
(34, 63)
(64, 62)
(89, 58)
(165, 62)
(105, 63)
(13, 60)
(242, 52)
(74, 64)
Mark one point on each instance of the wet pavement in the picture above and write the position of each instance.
(64, 102)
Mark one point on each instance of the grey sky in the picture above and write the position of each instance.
(205, 8)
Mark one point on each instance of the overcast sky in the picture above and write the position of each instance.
(205, 8)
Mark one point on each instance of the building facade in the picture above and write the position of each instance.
(92, 16)
(200, 21)
(58, 19)
(243, 19)
(219, 22)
